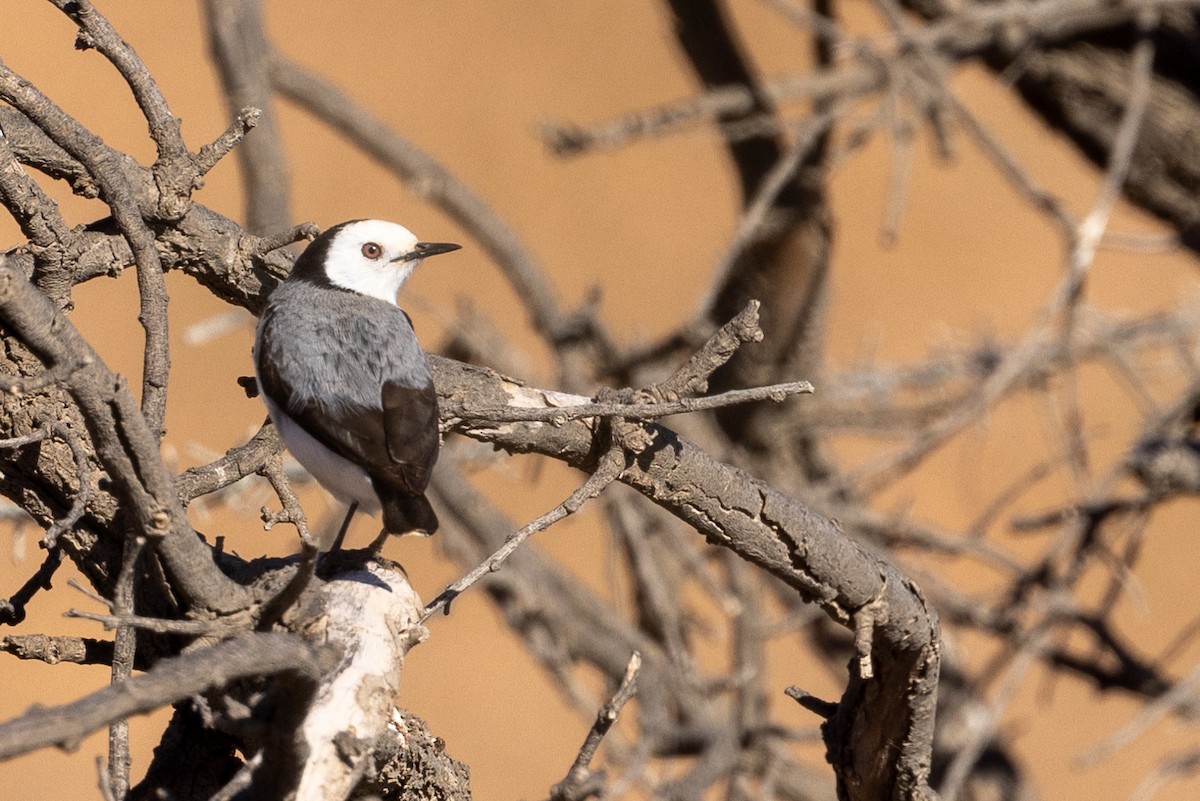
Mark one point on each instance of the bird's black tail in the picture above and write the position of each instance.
(408, 514)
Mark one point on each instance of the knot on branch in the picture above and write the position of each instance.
(159, 523)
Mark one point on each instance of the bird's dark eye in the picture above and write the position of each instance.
(372, 251)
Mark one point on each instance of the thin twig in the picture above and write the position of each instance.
(559, 415)
(124, 653)
(1091, 229)
(757, 211)
(28, 439)
(1087, 236)
(12, 611)
(90, 594)
(610, 466)
(903, 134)
(219, 148)
(1010, 167)
(1183, 693)
(186, 628)
(581, 782)
(1173, 768)
(967, 754)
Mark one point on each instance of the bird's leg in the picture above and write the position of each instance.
(337, 542)
(376, 545)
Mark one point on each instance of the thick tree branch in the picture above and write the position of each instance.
(373, 618)
(883, 729)
(127, 448)
(234, 265)
(171, 680)
(119, 193)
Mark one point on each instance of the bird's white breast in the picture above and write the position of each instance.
(347, 481)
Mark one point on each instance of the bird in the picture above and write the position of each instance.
(345, 380)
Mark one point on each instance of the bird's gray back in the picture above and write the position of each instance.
(336, 347)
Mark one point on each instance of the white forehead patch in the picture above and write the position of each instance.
(347, 266)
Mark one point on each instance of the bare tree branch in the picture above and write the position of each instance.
(242, 53)
(115, 424)
(104, 168)
(173, 679)
(805, 551)
(581, 782)
(607, 472)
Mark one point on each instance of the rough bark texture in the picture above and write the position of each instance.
(887, 756)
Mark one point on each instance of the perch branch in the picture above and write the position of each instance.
(373, 617)
(183, 628)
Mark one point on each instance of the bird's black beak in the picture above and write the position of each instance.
(424, 249)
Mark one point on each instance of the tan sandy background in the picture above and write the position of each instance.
(469, 82)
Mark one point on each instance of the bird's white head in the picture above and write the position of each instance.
(370, 257)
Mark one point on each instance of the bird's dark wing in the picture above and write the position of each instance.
(395, 442)
(410, 423)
